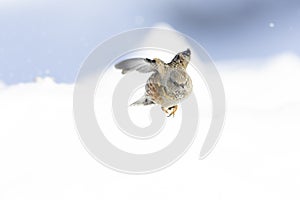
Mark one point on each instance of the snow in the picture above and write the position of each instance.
(2, 85)
(256, 158)
(271, 25)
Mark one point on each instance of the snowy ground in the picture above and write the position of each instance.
(256, 158)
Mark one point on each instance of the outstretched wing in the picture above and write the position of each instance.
(143, 65)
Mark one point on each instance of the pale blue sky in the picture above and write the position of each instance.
(52, 38)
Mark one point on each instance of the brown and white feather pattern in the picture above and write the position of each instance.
(169, 83)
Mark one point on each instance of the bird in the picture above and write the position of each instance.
(168, 85)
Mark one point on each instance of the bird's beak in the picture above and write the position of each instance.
(187, 52)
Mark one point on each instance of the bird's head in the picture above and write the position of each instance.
(183, 58)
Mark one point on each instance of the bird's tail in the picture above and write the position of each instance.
(143, 101)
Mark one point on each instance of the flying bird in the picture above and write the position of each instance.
(169, 83)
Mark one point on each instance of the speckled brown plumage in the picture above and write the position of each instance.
(169, 83)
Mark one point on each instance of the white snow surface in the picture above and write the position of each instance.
(257, 156)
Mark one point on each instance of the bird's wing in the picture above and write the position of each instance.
(143, 65)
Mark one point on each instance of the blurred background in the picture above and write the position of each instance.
(255, 45)
(52, 38)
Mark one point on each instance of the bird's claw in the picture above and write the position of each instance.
(173, 108)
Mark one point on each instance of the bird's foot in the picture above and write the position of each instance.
(174, 109)
(165, 110)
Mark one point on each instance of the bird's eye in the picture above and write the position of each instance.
(176, 84)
